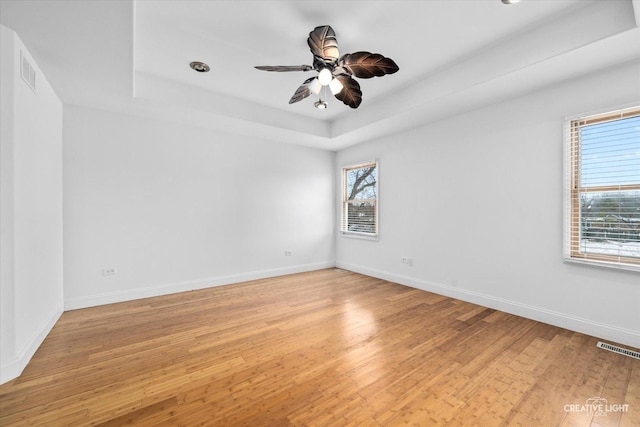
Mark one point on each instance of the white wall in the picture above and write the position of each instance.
(477, 202)
(175, 207)
(31, 210)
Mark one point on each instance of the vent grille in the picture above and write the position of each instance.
(618, 350)
(27, 72)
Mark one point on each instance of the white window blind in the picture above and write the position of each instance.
(360, 199)
(603, 194)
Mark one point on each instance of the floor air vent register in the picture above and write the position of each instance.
(618, 350)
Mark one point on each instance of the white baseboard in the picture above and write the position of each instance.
(171, 288)
(14, 368)
(585, 326)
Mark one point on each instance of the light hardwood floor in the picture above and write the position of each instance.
(324, 348)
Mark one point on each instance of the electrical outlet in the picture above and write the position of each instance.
(288, 252)
(407, 260)
(110, 271)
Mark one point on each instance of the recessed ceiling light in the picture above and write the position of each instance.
(200, 67)
(510, 1)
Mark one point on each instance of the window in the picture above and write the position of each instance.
(360, 200)
(602, 199)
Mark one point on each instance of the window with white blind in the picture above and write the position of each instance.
(602, 195)
(360, 200)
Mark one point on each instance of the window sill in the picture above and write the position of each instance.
(361, 236)
(603, 264)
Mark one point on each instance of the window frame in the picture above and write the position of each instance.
(574, 190)
(343, 224)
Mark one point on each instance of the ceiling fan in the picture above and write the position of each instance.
(334, 70)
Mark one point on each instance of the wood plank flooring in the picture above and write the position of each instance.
(324, 348)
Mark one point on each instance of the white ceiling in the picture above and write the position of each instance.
(454, 55)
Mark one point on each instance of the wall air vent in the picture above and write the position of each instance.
(618, 350)
(27, 72)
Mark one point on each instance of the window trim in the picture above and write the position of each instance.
(573, 190)
(344, 202)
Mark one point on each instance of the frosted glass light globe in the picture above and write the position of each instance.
(335, 86)
(325, 76)
(315, 86)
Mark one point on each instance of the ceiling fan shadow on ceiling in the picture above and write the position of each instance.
(335, 71)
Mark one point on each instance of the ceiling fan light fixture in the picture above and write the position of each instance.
(335, 86)
(324, 76)
(327, 62)
(320, 104)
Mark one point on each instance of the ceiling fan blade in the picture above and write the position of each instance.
(323, 43)
(366, 64)
(302, 92)
(350, 94)
(284, 67)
